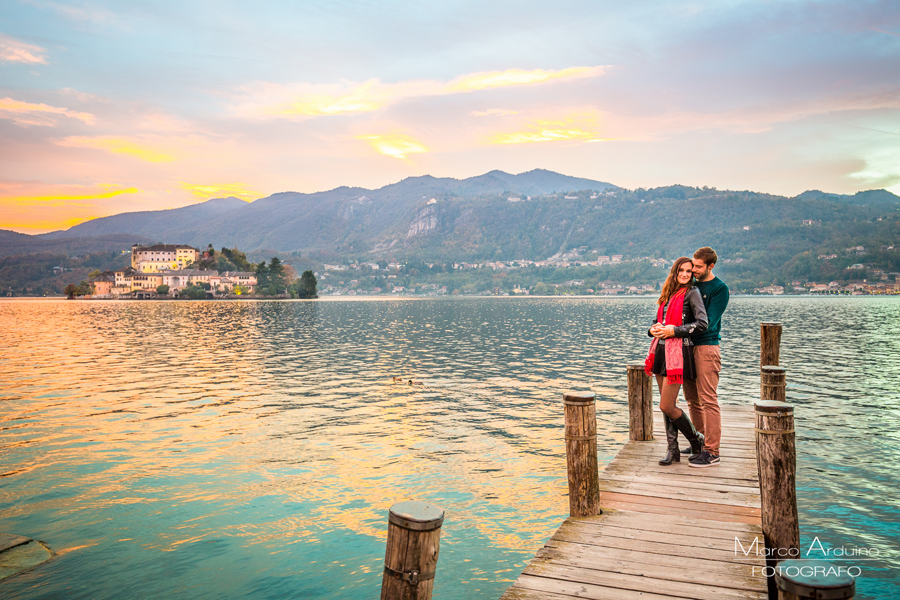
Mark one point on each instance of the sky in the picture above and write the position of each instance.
(110, 107)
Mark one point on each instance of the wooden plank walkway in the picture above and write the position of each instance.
(665, 532)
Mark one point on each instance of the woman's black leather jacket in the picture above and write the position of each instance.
(693, 317)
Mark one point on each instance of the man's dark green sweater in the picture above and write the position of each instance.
(715, 298)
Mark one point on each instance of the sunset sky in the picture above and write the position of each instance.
(110, 107)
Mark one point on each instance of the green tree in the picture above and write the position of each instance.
(540, 288)
(162, 290)
(194, 292)
(94, 273)
(237, 258)
(277, 277)
(262, 277)
(71, 290)
(305, 287)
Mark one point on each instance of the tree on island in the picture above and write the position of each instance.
(84, 288)
(194, 292)
(305, 287)
(162, 290)
(277, 276)
(262, 277)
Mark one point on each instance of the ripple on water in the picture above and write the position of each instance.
(251, 449)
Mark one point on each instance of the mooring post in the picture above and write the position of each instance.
(776, 457)
(413, 541)
(581, 454)
(640, 404)
(769, 343)
(772, 383)
(798, 579)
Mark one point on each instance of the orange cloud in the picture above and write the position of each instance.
(13, 50)
(65, 199)
(397, 146)
(205, 192)
(117, 146)
(26, 113)
(38, 225)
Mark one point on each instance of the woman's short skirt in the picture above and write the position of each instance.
(659, 362)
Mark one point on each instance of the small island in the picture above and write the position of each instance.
(175, 271)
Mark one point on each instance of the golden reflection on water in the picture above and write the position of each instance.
(277, 423)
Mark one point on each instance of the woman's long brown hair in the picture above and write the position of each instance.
(671, 285)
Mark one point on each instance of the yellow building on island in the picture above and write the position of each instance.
(162, 257)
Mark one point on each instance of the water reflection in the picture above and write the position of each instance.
(251, 449)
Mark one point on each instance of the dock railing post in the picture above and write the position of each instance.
(640, 404)
(800, 579)
(776, 457)
(413, 541)
(772, 383)
(581, 454)
(769, 343)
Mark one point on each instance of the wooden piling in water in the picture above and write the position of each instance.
(772, 383)
(581, 454)
(640, 404)
(776, 456)
(769, 343)
(800, 579)
(413, 541)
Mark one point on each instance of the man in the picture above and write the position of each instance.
(702, 393)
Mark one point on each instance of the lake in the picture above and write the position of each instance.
(251, 449)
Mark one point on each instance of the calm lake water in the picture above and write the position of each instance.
(252, 449)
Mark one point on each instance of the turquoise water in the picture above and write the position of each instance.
(252, 449)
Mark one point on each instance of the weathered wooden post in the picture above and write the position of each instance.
(640, 404)
(798, 579)
(413, 541)
(769, 343)
(776, 458)
(772, 383)
(581, 454)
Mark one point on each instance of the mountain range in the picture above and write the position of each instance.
(533, 215)
(291, 221)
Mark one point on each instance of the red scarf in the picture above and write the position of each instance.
(674, 345)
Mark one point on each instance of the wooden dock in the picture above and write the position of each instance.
(665, 532)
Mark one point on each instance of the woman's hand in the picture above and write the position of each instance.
(661, 331)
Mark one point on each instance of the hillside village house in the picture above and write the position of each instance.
(170, 257)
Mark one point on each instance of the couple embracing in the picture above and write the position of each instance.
(685, 352)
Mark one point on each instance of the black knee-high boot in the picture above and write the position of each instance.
(684, 425)
(689, 450)
(673, 454)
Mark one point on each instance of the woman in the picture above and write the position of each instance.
(680, 315)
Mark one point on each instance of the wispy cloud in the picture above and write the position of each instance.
(573, 127)
(13, 50)
(395, 145)
(44, 115)
(205, 192)
(305, 100)
(116, 145)
(493, 112)
(887, 32)
(495, 79)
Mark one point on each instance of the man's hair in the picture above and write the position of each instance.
(707, 255)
